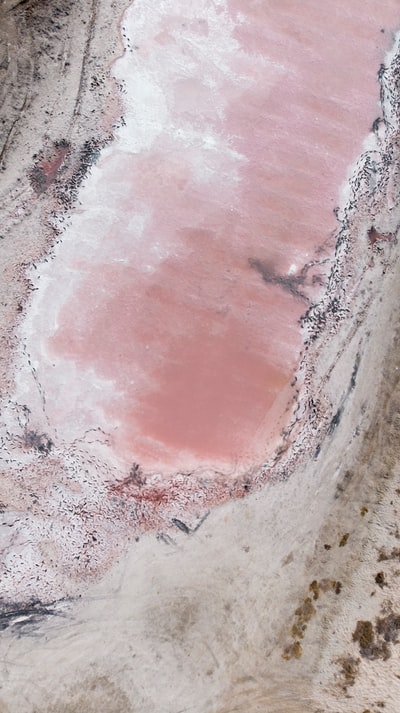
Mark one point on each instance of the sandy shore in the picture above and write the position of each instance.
(285, 601)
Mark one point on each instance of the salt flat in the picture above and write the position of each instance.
(216, 574)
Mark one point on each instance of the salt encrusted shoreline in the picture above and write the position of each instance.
(57, 92)
(61, 105)
(366, 248)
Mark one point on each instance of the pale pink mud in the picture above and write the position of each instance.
(169, 316)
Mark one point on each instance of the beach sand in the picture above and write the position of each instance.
(283, 601)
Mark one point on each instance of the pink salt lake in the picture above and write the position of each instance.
(169, 315)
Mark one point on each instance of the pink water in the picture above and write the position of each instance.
(242, 120)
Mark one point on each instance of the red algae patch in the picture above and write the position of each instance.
(205, 231)
(47, 167)
(199, 351)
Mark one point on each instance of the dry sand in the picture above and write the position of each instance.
(258, 610)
